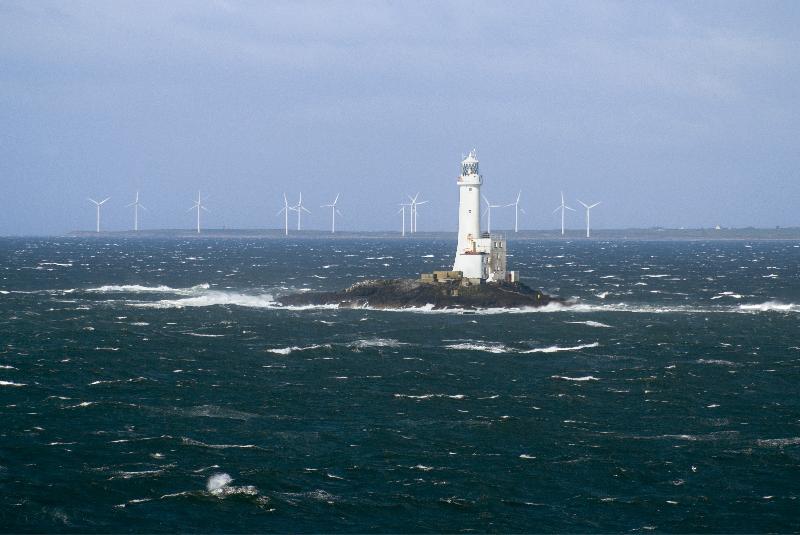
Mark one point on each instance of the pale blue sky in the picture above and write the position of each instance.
(671, 113)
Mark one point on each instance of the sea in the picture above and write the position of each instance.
(155, 385)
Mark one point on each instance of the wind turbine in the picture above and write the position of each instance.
(412, 209)
(198, 205)
(334, 211)
(517, 210)
(403, 211)
(299, 209)
(416, 211)
(562, 207)
(136, 205)
(98, 204)
(285, 211)
(588, 208)
(489, 207)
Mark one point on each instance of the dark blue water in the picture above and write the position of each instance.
(155, 386)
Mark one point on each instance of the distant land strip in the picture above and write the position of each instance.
(788, 233)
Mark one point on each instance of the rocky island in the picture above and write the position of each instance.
(410, 293)
(479, 278)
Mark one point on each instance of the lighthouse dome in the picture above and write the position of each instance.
(469, 165)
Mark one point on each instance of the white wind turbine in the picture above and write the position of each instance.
(562, 207)
(198, 205)
(299, 208)
(136, 205)
(334, 211)
(588, 208)
(285, 212)
(517, 210)
(488, 212)
(403, 211)
(98, 205)
(416, 211)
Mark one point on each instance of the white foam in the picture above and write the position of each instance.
(291, 349)
(137, 288)
(430, 396)
(556, 349)
(526, 456)
(489, 347)
(580, 379)
(217, 481)
(214, 298)
(719, 362)
(770, 306)
(376, 342)
(11, 383)
(590, 323)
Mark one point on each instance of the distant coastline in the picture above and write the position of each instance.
(788, 233)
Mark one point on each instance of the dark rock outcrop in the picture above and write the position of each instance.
(408, 293)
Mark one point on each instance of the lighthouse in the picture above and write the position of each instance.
(480, 257)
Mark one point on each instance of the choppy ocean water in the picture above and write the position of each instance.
(155, 386)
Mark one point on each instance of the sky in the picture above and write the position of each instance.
(673, 114)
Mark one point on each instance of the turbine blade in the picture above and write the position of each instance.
(568, 208)
(583, 203)
(336, 199)
(305, 209)
(92, 200)
(595, 204)
(204, 208)
(557, 209)
(105, 200)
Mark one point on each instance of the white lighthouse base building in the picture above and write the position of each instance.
(480, 257)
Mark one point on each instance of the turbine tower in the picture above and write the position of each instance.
(403, 211)
(98, 205)
(299, 208)
(334, 211)
(562, 207)
(413, 212)
(416, 211)
(285, 212)
(489, 207)
(198, 205)
(136, 205)
(517, 210)
(588, 208)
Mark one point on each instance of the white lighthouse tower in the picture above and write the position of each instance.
(479, 257)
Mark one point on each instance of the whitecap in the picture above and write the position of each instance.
(580, 379)
(770, 306)
(526, 456)
(291, 349)
(590, 323)
(376, 342)
(138, 288)
(11, 383)
(430, 396)
(217, 481)
(555, 349)
(489, 347)
(214, 298)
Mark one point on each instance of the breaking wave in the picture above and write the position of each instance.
(292, 349)
(770, 306)
(214, 298)
(489, 347)
(579, 379)
(136, 288)
(556, 349)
